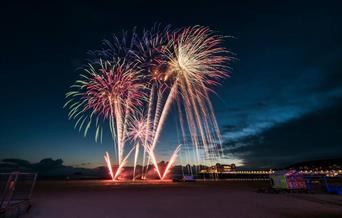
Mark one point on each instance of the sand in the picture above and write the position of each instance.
(100, 199)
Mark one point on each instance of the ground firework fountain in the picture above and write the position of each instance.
(132, 83)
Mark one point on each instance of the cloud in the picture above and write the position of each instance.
(313, 136)
(263, 108)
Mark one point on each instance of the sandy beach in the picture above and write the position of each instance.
(83, 199)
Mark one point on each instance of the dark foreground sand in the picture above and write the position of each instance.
(101, 199)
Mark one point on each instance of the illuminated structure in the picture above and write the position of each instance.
(225, 171)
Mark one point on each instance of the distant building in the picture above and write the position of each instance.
(219, 168)
(230, 171)
(225, 167)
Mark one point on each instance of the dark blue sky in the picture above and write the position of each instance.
(282, 103)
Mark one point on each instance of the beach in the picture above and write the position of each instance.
(168, 199)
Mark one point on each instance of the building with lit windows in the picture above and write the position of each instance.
(226, 171)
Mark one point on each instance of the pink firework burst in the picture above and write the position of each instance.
(113, 86)
(138, 130)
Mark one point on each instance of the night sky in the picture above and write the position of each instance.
(281, 105)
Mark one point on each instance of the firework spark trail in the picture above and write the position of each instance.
(122, 164)
(171, 161)
(215, 124)
(157, 108)
(191, 124)
(157, 111)
(208, 123)
(156, 118)
(198, 62)
(181, 121)
(198, 119)
(124, 126)
(188, 156)
(186, 149)
(139, 132)
(135, 159)
(109, 165)
(162, 119)
(149, 111)
(164, 114)
(143, 163)
(153, 158)
(206, 126)
(112, 130)
(117, 115)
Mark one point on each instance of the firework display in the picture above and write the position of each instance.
(131, 85)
